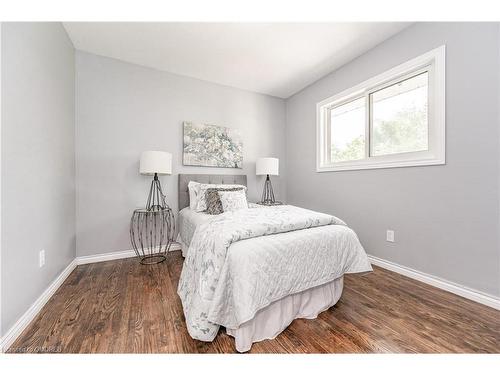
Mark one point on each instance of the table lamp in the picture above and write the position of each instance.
(154, 163)
(268, 167)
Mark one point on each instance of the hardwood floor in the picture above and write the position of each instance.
(124, 307)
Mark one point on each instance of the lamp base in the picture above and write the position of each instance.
(156, 199)
(276, 203)
(267, 193)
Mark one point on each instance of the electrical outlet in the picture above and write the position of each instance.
(390, 236)
(41, 258)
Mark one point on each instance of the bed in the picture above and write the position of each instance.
(254, 271)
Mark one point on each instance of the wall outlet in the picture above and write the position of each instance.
(390, 236)
(41, 258)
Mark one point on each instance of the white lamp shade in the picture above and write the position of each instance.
(268, 166)
(155, 162)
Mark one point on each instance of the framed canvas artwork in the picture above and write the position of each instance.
(212, 146)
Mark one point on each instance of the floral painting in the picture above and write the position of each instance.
(212, 146)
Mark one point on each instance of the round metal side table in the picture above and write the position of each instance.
(152, 233)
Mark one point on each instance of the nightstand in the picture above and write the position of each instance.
(152, 233)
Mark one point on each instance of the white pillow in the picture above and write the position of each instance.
(193, 188)
(201, 204)
(233, 200)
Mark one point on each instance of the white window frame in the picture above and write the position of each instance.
(432, 62)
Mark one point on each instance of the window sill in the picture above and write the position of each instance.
(354, 166)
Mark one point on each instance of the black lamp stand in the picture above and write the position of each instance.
(156, 199)
(268, 194)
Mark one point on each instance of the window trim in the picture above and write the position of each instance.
(434, 63)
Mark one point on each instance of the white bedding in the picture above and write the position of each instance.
(188, 221)
(240, 262)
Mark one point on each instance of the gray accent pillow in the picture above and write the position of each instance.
(212, 199)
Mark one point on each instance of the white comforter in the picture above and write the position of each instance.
(227, 278)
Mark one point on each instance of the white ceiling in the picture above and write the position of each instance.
(277, 59)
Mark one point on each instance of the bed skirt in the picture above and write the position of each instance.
(275, 318)
(182, 245)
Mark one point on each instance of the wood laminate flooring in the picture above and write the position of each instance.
(122, 306)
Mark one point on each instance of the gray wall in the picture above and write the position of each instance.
(38, 161)
(123, 109)
(446, 218)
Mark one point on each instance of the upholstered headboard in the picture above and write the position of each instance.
(184, 179)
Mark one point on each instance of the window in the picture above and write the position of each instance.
(347, 138)
(393, 120)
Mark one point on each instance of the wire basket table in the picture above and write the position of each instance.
(152, 233)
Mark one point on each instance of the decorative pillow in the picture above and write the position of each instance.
(201, 204)
(233, 200)
(212, 199)
(193, 188)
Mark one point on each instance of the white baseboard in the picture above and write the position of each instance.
(115, 255)
(105, 257)
(463, 291)
(18, 327)
(14, 332)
